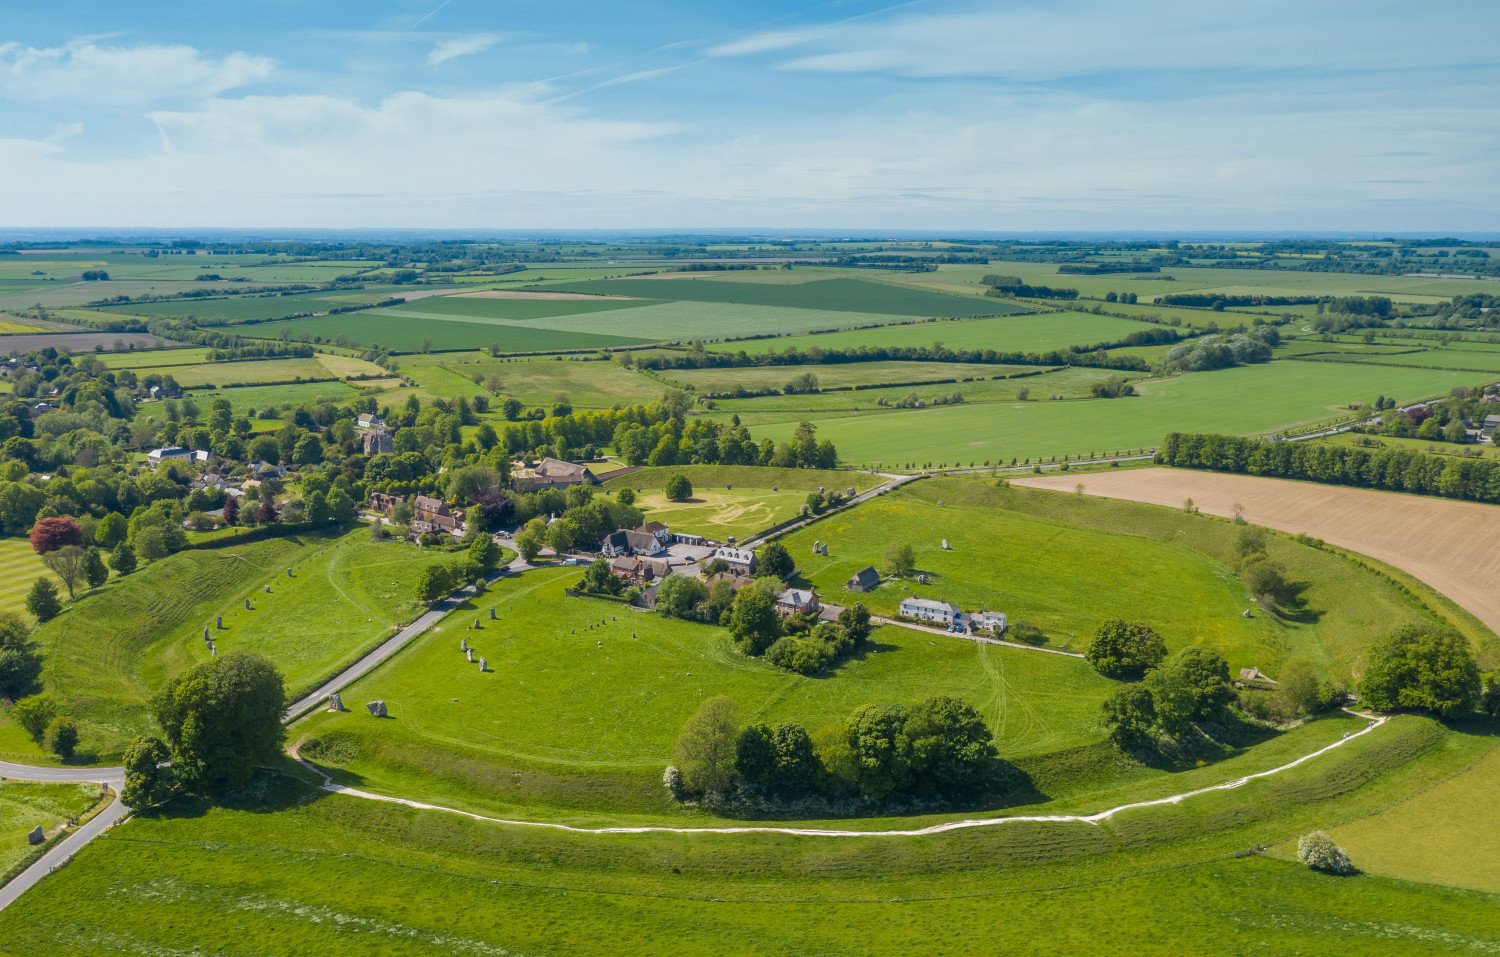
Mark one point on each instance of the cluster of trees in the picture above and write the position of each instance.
(1425, 668)
(712, 442)
(1129, 298)
(439, 579)
(219, 721)
(20, 665)
(1013, 286)
(1112, 388)
(259, 349)
(1444, 421)
(936, 752)
(1224, 351)
(915, 401)
(1396, 469)
(1176, 695)
(583, 519)
(41, 718)
(1220, 301)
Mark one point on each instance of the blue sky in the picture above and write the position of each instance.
(1027, 115)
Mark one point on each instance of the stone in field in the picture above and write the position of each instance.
(377, 709)
(36, 836)
(335, 702)
(484, 665)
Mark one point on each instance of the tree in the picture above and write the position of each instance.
(776, 561)
(55, 532)
(599, 580)
(341, 509)
(680, 595)
(222, 718)
(231, 511)
(1318, 851)
(563, 535)
(67, 563)
(1422, 669)
(264, 448)
(855, 620)
(797, 764)
(19, 663)
(679, 489)
(61, 737)
(755, 756)
(122, 559)
(435, 582)
(949, 750)
(1190, 686)
(877, 747)
(110, 531)
(308, 450)
(530, 539)
(1130, 715)
(1125, 650)
(151, 544)
(900, 560)
(1264, 577)
(706, 749)
(1298, 688)
(34, 713)
(753, 621)
(94, 571)
(42, 601)
(484, 555)
(149, 781)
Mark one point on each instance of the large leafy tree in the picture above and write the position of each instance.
(222, 719)
(1422, 669)
(149, 777)
(775, 560)
(753, 621)
(950, 752)
(878, 749)
(708, 746)
(1192, 685)
(54, 532)
(1125, 649)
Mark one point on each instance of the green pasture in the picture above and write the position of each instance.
(106, 655)
(241, 373)
(760, 499)
(842, 375)
(154, 358)
(19, 567)
(584, 699)
(839, 295)
(1247, 400)
(403, 334)
(26, 804)
(245, 308)
(242, 398)
(587, 382)
(481, 309)
(1055, 559)
(1041, 384)
(1042, 332)
(1486, 450)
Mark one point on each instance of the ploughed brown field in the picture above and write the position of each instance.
(1452, 546)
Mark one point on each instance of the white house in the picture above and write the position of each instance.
(990, 621)
(741, 561)
(158, 456)
(367, 420)
(931, 610)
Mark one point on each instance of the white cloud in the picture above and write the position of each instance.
(86, 72)
(452, 49)
(765, 43)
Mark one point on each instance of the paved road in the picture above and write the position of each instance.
(64, 850)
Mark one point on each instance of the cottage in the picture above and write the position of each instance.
(863, 580)
(553, 473)
(369, 420)
(930, 610)
(797, 601)
(433, 515)
(639, 571)
(158, 456)
(383, 503)
(741, 561)
(736, 582)
(1491, 422)
(659, 531)
(990, 621)
(631, 541)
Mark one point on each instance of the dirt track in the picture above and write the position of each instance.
(1452, 546)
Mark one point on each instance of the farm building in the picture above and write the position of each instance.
(741, 561)
(1491, 422)
(368, 420)
(552, 473)
(639, 571)
(797, 601)
(930, 609)
(863, 580)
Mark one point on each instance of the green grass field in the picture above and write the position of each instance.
(760, 499)
(244, 308)
(25, 805)
(1247, 400)
(401, 334)
(1041, 332)
(536, 731)
(242, 398)
(588, 383)
(1055, 559)
(238, 373)
(504, 311)
(107, 654)
(838, 376)
(19, 567)
(840, 295)
(154, 358)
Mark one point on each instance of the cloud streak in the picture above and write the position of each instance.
(456, 47)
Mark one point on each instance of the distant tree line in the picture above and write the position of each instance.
(1393, 469)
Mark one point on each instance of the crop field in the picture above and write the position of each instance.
(1452, 546)
(403, 334)
(1040, 383)
(244, 308)
(142, 359)
(588, 383)
(19, 567)
(760, 498)
(477, 307)
(1042, 332)
(25, 805)
(242, 373)
(1055, 560)
(76, 342)
(1246, 400)
(535, 728)
(10, 326)
(843, 375)
(109, 652)
(838, 295)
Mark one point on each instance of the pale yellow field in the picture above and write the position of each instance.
(345, 366)
(1452, 546)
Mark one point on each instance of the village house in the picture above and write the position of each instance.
(797, 601)
(990, 621)
(736, 582)
(863, 580)
(377, 440)
(158, 456)
(741, 561)
(633, 541)
(930, 610)
(636, 570)
(433, 515)
(1487, 429)
(552, 473)
(368, 420)
(383, 503)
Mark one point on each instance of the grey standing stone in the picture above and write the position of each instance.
(247, 603)
(36, 836)
(218, 621)
(476, 622)
(484, 665)
(205, 635)
(335, 702)
(492, 614)
(469, 653)
(463, 645)
(377, 709)
(268, 589)
(289, 572)
(213, 652)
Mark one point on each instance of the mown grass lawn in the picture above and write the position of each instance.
(27, 804)
(20, 566)
(106, 655)
(1067, 562)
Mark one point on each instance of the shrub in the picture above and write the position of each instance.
(33, 714)
(42, 601)
(678, 488)
(1318, 852)
(61, 737)
(1125, 650)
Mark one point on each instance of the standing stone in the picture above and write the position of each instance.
(205, 635)
(476, 622)
(36, 836)
(492, 614)
(219, 621)
(484, 665)
(335, 702)
(377, 709)
(213, 652)
(268, 589)
(464, 645)
(469, 653)
(289, 572)
(247, 603)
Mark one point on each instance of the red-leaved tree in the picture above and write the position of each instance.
(50, 534)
